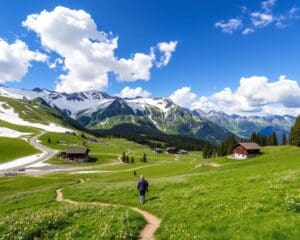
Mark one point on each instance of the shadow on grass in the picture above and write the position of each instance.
(92, 159)
(152, 199)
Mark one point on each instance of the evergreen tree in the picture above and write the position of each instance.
(214, 155)
(124, 157)
(284, 139)
(127, 159)
(269, 140)
(231, 142)
(132, 159)
(295, 133)
(205, 151)
(253, 137)
(144, 158)
(274, 139)
(49, 140)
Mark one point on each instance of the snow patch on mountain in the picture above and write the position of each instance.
(9, 115)
(10, 133)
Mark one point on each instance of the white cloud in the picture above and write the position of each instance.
(128, 92)
(15, 60)
(268, 4)
(166, 49)
(56, 62)
(88, 54)
(248, 31)
(183, 97)
(230, 26)
(255, 95)
(260, 20)
(262, 17)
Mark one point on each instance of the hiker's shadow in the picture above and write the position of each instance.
(152, 199)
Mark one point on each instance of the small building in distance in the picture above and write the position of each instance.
(171, 150)
(79, 154)
(61, 142)
(244, 150)
(183, 151)
(158, 150)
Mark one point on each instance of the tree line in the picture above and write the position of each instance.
(127, 159)
(295, 133)
(225, 147)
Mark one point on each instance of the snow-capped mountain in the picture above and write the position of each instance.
(244, 126)
(98, 110)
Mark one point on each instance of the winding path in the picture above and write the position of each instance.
(147, 233)
(23, 162)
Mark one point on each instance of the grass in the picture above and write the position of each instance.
(106, 150)
(12, 148)
(258, 198)
(34, 214)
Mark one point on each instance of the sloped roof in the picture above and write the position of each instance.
(249, 145)
(77, 150)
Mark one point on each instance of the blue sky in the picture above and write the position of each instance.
(212, 52)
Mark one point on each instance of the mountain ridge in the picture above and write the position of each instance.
(98, 110)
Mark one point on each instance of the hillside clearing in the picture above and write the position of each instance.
(15, 148)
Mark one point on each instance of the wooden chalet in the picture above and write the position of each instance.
(245, 150)
(79, 154)
(171, 150)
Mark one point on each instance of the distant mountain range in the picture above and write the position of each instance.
(244, 126)
(99, 111)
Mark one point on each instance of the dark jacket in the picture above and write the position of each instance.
(142, 185)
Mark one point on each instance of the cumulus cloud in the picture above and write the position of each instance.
(15, 60)
(261, 20)
(184, 97)
(166, 48)
(250, 21)
(254, 95)
(128, 92)
(230, 26)
(88, 53)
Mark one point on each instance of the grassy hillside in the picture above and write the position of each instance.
(12, 148)
(106, 150)
(257, 198)
(34, 214)
(37, 111)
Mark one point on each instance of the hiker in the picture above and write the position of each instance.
(142, 187)
(134, 173)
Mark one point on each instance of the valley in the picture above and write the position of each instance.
(191, 197)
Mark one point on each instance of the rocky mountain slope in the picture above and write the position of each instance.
(98, 110)
(244, 126)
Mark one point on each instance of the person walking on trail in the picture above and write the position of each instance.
(142, 187)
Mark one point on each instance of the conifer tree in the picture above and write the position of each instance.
(284, 139)
(295, 133)
(144, 158)
(132, 159)
(274, 139)
(124, 157)
(205, 150)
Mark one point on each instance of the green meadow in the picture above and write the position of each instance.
(106, 150)
(258, 198)
(12, 148)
